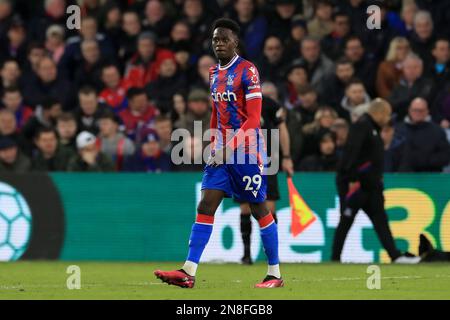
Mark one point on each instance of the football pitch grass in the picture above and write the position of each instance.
(101, 280)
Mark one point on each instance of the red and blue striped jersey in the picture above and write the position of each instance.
(233, 87)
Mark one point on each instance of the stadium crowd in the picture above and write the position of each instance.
(107, 97)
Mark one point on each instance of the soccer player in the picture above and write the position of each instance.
(237, 101)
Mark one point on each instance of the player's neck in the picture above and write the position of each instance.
(223, 62)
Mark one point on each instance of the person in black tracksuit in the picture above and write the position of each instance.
(360, 180)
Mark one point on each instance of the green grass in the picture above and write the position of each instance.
(47, 280)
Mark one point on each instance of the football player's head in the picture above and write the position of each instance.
(225, 38)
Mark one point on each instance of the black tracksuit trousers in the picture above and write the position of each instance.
(372, 203)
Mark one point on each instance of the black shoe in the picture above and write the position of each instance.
(247, 260)
(425, 245)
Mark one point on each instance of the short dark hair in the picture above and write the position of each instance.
(8, 60)
(439, 39)
(43, 130)
(109, 114)
(49, 102)
(134, 91)
(85, 90)
(227, 24)
(11, 89)
(340, 14)
(66, 117)
(343, 60)
(353, 81)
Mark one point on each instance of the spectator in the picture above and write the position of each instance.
(156, 20)
(89, 110)
(333, 89)
(50, 156)
(198, 110)
(74, 54)
(377, 40)
(14, 47)
(333, 43)
(144, 66)
(441, 109)
(12, 160)
(131, 28)
(183, 56)
(439, 70)
(6, 16)
(111, 20)
(299, 31)
(389, 71)
(35, 53)
(308, 105)
(355, 97)
(48, 83)
(44, 116)
(340, 127)
(201, 78)
(270, 90)
(393, 148)
(149, 157)
(412, 84)
(112, 142)
(323, 120)
(114, 93)
(319, 67)
(357, 11)
(139, 115)
(364, 67)
(88, 72)
(253, 26)
(89, 157)
(199, 22)
(322, 22)
(272, 62)
(170, 81)
(163, 127)
(180, 32)
(10, 75)
(426, 146)
(297, 79)
(54, 42)
(8, 128)
(422, 37)
(54, 13)
(326, 159)
(280, 19)
(408, 12)
(66, 127)
(13, 101)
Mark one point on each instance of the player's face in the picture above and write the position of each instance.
(224, 43)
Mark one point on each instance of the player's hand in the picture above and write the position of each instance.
(218, 157)
(287, 166)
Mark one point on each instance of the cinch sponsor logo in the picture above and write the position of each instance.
(224, 96)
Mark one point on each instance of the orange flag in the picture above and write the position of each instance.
(302, 215)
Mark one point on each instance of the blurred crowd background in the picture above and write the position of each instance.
(107, 97)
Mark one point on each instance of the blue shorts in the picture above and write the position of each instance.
(243, 182)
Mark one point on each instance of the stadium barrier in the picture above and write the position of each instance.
(148, 217)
